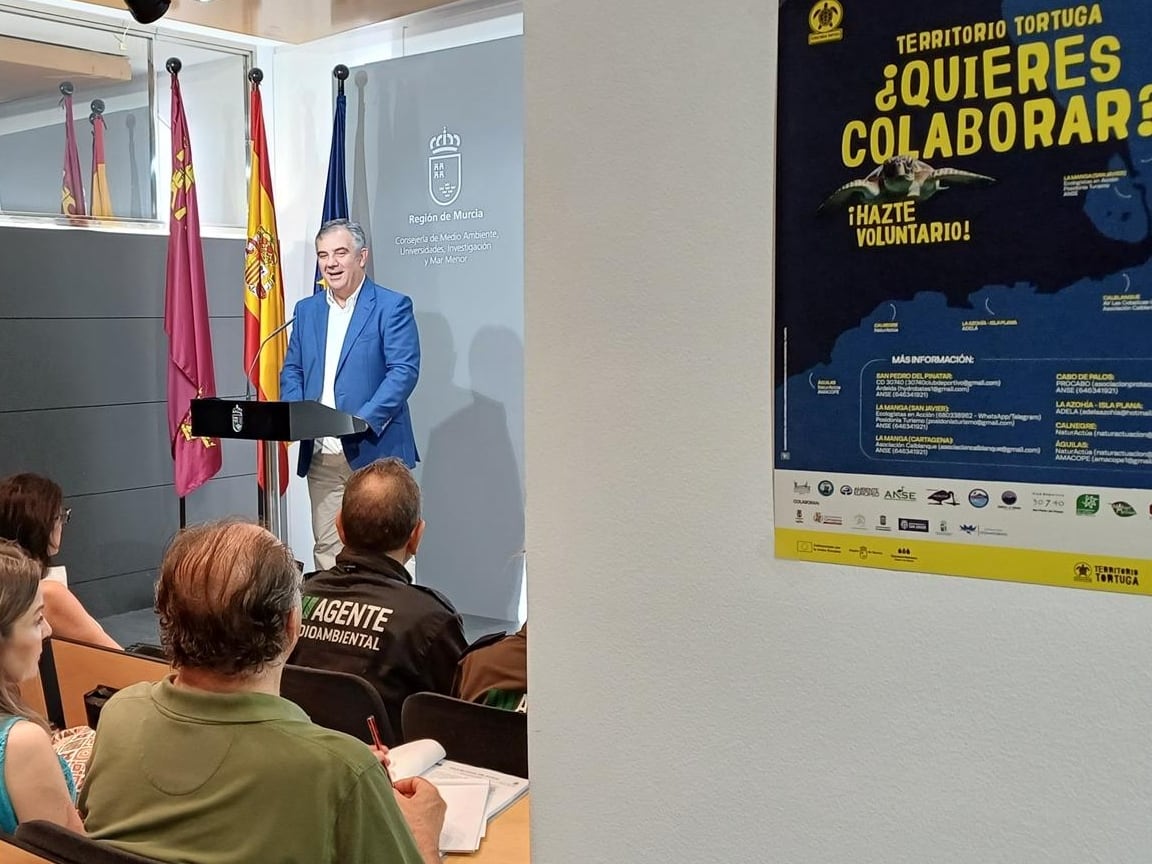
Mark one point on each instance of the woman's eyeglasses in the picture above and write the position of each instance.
(64, 515)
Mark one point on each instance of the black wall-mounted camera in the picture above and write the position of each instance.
(147, 11)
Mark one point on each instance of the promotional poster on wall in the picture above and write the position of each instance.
(964, 289)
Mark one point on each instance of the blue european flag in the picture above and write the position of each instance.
(336, 192)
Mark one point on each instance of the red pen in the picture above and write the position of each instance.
(375, 732)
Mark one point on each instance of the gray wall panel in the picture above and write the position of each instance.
(227, 356)
(223, 277)
(93, 450)
(75, 367)
(82, 396)
(90, 450)
(116, 594)
(121, 533)
(223, 497)
(115, 539)
(118, 532)
(113, 545)
(239, 459)
(84, 273)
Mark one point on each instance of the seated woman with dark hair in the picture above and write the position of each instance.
(34, 782)
(32, 513)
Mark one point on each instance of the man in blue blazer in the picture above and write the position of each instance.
(354, 347)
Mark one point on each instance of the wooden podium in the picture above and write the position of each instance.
(270, 423)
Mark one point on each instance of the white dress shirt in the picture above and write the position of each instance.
(339, 317)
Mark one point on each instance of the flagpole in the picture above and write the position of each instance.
(99, 200)
(271, 507)
(173, 66)
(336, 187)
(191, 374)
(72, 191)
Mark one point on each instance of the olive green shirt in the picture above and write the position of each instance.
(207, 778)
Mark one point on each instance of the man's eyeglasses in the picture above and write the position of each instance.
(64, 515)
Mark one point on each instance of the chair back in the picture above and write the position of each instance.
(338, 700)
(55, 843)
(471, 733)
(147, 649)
(43, 692)
(69, 669)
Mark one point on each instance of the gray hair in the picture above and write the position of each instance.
(225, 595)
(359, 239)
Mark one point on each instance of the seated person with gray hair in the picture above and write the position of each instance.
(211, 764)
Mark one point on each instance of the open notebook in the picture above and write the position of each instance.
(473, 795)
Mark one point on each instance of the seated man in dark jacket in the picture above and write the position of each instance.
(494, 671)
(365, 616)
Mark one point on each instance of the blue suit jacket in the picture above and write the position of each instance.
(377, 372)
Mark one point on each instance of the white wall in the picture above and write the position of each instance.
(693, 699)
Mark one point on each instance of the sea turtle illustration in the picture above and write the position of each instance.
(825, 16)
(903, 177)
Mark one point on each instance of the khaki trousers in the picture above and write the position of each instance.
(326, 478)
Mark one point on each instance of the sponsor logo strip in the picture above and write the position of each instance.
(1031, 566)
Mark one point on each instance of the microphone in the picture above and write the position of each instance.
(256, 356)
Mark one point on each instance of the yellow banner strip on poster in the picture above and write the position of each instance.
(1034, 566)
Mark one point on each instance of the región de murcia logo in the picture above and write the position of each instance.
(444, 174)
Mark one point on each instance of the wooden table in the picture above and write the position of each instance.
(10, 854)
(506, 841)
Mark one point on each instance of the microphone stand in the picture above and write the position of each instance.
(269, 510)
(256, 357)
